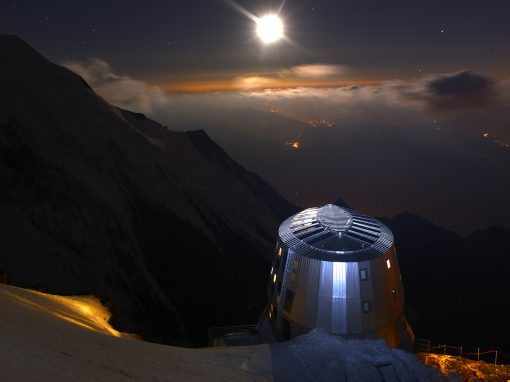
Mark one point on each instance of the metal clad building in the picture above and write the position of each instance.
(336, 269)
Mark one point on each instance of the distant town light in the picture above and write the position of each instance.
(293, 144)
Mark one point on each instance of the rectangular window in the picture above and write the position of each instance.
(280, 251)
(289, 300)
(367, 307)
(363, 274)
(388, 264)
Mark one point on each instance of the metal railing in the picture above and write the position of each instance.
(473, 353)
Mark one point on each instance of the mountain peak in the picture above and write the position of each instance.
(22, 65)
(14, 49)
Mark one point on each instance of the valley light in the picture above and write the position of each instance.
(270, 28)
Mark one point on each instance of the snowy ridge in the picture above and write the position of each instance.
(58, 350)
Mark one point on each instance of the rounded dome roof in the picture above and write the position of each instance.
(335, 233)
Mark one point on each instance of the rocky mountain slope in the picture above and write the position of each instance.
(162, 225)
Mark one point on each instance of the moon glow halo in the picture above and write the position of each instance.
(269, 28)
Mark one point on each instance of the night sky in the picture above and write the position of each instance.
(422, 87)
(205, 45)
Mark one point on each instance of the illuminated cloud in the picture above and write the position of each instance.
(122, 91)
(314, 71)
(253, 81)
(307, 75)
(465, 98)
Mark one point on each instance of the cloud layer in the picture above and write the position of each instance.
(465, 98)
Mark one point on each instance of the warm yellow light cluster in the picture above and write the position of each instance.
(466, 369)
(293, 145)
(84, 311)
(87, 312)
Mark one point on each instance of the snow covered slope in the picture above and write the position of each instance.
(38, 342)
(98, 199)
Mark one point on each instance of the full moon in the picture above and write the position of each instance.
(269, 29)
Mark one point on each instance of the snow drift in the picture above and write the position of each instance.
(38, 343)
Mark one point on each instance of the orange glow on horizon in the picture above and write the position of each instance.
(270, 79)
(257, 83)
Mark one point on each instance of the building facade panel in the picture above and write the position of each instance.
(336, 269)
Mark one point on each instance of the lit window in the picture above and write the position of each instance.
(272, 269)
(293, 277)
(363, 274)
(367, 307)
(274, 278)
(280, 251)
(388, 263)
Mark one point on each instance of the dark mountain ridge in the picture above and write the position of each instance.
(162, 224)
(455, 286)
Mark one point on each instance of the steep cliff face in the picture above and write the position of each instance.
(162, 224)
